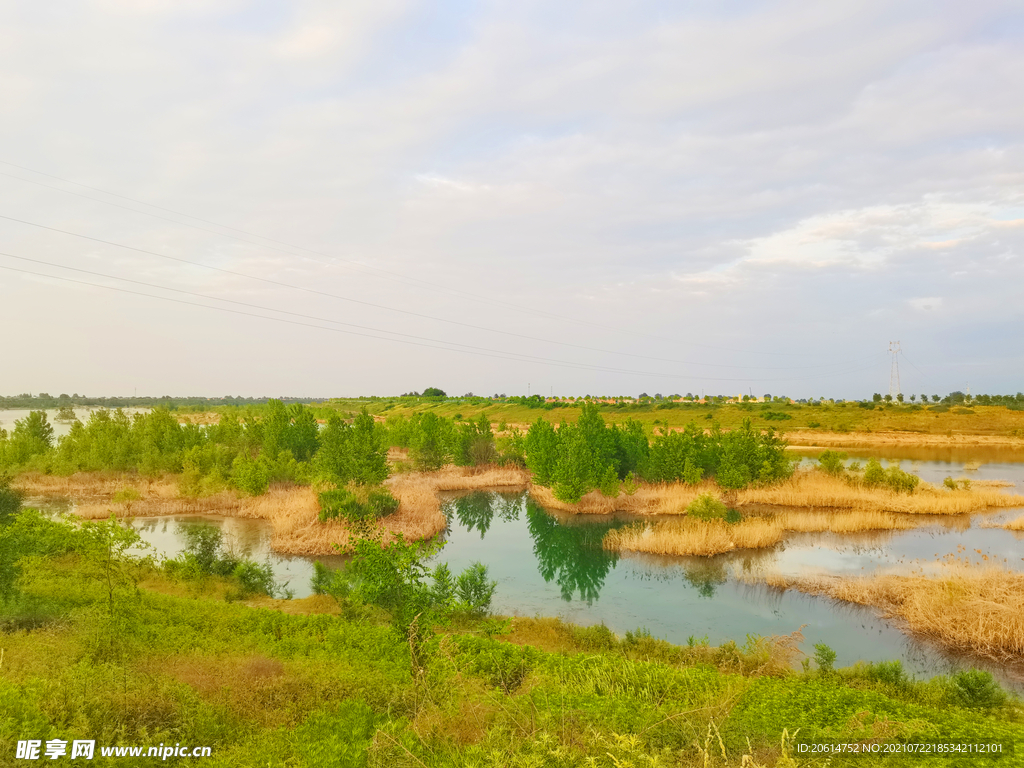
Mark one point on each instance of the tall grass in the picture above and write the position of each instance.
(1010, 525)
(969, 608)
(816, 489)
(292, 510)
(649, 499)
(853, 521)
(689, 536)
(419, 513)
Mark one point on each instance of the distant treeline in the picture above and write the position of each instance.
(44, 400)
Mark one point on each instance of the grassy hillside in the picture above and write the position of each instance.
(839, 417)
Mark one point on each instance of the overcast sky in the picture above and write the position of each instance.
(571, 197)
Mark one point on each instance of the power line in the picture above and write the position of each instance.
(358, 266)
(339, 297)
(514, 357)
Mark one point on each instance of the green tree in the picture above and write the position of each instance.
(302, 436)
(431, 444)
(542, 451)
(367, 453)
(32, 436)
(275, 428)
(576, 470)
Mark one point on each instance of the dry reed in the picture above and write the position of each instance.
(1010, 525)
(976, 609)
(845, 522)
(419, 513)
(813, 438)
(816, 489)
(292, 511)
(649, 499)
(690, 536)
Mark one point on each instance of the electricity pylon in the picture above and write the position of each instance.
(894, 372)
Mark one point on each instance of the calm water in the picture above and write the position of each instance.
(553, 565)
(8, 417)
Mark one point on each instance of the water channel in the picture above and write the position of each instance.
(552, 564)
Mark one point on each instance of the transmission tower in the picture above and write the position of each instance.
(894, 372)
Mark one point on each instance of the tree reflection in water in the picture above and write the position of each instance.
(706, 576)
(476, 511)
(571, 555)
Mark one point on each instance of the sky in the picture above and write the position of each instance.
(317, 199)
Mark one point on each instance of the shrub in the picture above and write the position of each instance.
(824, 657)
(256, 579)
(874, 474)
(832, 462)
(474, 589)
(595, 638)
(251, 476)
(976, 689)
(609, 485)
(10, 498)
(900, 481)
(126, 495)
(356, 503)
(340, 503)
(707, 507)
(888, 672)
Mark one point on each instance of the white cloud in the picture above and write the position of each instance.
(792, 172)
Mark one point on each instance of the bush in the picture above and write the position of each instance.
(976, 689)
(874, 474)
(893, 478)
(10, 498)
(474, 589)
(707, 507)
(356, 504)
(888, 673)
(824, 657)
(832, 462)
(256, 579)
(953, 485)
(609, 483)
(900, 481)
(251, 476)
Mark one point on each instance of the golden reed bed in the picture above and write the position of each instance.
(817, 490)
(1010, 525)
(828, 504)
(688, 536)
(292, 510)
(971, 608)
(805, 490)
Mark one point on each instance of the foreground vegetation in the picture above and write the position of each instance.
(388, 667)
